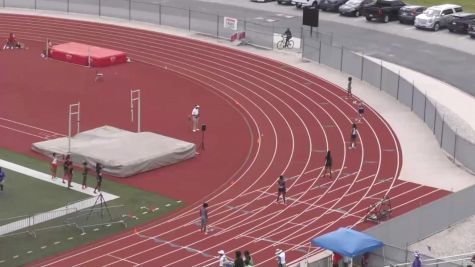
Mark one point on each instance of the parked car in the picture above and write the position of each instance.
(471, 30)
(407, 14)
(302, 3)
(284, 2)
(384, 10)
(331, 5)
(436, 17)
(460, 22)
(354, 7)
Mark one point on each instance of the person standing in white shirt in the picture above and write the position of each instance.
(195, 116)
(280, 257)
(223, 260)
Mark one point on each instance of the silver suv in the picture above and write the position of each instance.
(436, 17)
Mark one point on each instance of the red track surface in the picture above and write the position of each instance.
(293, 118)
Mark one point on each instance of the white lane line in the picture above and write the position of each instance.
(39, 218)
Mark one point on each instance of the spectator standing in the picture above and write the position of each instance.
(195, 116)
(2, 179)
(223, 260)
(350, 95)
(238, 261)
(204, 217)
(328, 164)
(54, 167)
(336, 259)
(280, 257)
(281, 188)
(98, 177)
(417, 260)
(347, 261)
(354, 134)
(365, 260)
(85, 170)
(248, 262)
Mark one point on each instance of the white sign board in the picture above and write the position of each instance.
(230, 23)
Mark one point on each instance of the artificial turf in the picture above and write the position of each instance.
(62, 234)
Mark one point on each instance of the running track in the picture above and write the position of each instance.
(295, 117)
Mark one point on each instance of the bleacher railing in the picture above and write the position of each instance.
(79, 218)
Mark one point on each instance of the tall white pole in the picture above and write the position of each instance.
(131, 106)
(74, 109)
(69, 129)
(139, 115)
(135, 96)
(78, 117)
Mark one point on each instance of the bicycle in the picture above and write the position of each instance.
(282, 43)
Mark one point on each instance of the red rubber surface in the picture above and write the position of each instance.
(292, 118)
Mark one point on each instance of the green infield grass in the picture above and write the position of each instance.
(29, 195)
(24, 196)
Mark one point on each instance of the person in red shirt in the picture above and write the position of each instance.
(11, 42)
(336, 259)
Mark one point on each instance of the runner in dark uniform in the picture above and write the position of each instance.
(328, 164)
(360, 112)
(350, 95)
(204, 217)
(281, 189)
(66, 163)
(70, 174)
(98, 177)
(85, 170)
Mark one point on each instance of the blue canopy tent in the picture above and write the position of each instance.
(347, 242)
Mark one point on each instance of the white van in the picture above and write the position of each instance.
(436, 17)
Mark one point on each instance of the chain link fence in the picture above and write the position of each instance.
(459, 147)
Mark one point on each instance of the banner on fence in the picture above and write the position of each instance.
(230, 23)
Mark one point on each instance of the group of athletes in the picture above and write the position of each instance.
(328, 161)
(68, 168)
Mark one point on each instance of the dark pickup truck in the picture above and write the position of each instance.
(384, 10)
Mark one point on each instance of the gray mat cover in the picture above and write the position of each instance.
(122, 153)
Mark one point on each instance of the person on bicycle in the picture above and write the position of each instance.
(287, 35)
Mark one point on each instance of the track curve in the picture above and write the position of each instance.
(295, 117)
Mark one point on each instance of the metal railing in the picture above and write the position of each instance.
(453, 139)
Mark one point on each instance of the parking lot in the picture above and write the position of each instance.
(446, 56)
